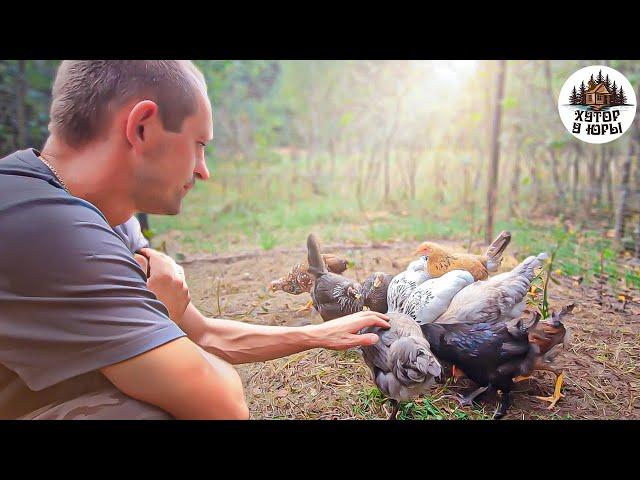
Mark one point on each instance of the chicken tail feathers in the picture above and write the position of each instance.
(316, 263)
(496, 249)
(529, 264)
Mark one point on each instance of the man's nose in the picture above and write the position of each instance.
(201, 170)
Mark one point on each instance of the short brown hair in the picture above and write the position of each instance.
(85, 91)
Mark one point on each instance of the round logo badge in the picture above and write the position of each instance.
(597, 104)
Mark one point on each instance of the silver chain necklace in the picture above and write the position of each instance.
(55, 172)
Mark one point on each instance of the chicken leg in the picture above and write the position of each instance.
(468, 400)
(306, 308)
(394, 412)
(501, 411)
(556, 391)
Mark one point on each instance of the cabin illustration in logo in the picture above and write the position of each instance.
(598, 95)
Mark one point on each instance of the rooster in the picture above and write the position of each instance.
(440, 260)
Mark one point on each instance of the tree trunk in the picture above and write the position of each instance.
(492, 186)
(387, 147)
(576, 177)
(21, 92)
(591, 184)
(515, 185)
(609, 182)
(624, 193)
(602, 174)
(556, 177)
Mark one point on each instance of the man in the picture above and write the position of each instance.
(84, 332)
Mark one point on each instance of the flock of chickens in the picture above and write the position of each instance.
(443, 309)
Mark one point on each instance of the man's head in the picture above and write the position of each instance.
(152, 116)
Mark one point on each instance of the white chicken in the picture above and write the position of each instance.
(431, 298)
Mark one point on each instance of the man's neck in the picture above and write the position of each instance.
(91, 174)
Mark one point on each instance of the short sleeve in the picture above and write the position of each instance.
(72, 297)
(131, 235)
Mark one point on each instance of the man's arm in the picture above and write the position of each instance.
(183, 380)
(239, 342)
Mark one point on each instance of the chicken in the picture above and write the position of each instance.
(333, 295)
(374, 291)
(551, 336)
(431, 299)
(502, 297)
(401, 362)
(298, 280)
(440, 260)
(403, 284)
(491, 353)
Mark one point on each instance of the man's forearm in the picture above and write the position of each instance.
(239, 342)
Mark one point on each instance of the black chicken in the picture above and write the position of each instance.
(374, 291)
(490, 353)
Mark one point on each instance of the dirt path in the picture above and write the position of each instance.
(601, 374)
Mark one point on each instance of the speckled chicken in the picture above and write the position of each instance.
(404, 283)
(299, 281)
(441, 260)
(333, 295)
(491, 353)
(374, 291)
(401, 362)
(431, 298)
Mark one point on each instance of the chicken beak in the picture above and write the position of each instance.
(377, 282)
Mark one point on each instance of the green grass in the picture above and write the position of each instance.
(424, 408)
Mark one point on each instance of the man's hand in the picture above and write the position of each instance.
(166, 280)
(342, 333)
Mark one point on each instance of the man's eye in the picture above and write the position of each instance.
(203, 144)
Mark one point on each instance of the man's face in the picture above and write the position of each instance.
(170, 169)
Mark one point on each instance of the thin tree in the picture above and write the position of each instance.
(492, 184)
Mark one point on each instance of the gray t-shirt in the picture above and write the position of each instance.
(72, 297)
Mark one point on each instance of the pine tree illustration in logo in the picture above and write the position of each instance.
(597, 104)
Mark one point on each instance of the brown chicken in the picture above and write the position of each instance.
(551, 336)
(440, 260)
(298, 280)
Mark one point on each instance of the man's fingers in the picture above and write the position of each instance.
(366, 339)
(372, 321)
(143, 262)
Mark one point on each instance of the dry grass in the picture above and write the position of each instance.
(601, 374)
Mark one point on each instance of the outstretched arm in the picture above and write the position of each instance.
(239, 342)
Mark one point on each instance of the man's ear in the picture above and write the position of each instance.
(141, 123)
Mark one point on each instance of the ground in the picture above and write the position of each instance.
(601, 376)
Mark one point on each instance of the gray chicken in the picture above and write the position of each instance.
(499, 298)
(401, 363)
